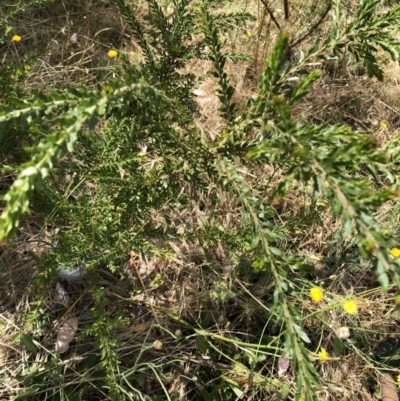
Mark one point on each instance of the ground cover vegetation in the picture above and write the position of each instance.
(199, 200)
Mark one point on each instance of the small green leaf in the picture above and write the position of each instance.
(29, 344)
(382, 275)
(302, 334)
(255, 241)
(202, 344)
(25, 393)
(339, 346)
(238, 392)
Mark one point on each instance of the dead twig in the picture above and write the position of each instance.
(271, 14)
(315, 26)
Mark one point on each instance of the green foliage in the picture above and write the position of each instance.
(116, 186)
(365, 34)
(53, 374)
(225, 92)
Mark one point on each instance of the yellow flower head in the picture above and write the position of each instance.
(112, 53)
(395, 252)
(316, 294)
(323, 355)
(383, 124)
(16, 38)
(249, 34)
(350, 307)
(398, 381)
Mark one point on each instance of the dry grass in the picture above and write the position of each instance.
(68, 42)
(357, 101)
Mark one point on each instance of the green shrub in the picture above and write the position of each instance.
(122, 161)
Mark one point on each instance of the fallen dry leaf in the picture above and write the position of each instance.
(283, 365)
(61, 294)
(139, 328)
(65, 334)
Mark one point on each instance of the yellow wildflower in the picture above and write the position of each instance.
(395, 252)
(383, 124)
(316, 294)
(323, 355)
(398, 381)
(350, 307)
(112, 53)
(249, 34)
(16, 38)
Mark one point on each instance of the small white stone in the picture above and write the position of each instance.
(343, 332)
(73, 275)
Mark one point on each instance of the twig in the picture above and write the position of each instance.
(315, 26)
(131, 255)
(271, 14)
(249, 293)
(286, 9)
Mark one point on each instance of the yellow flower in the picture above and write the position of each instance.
(383, 124)
(112, 53)
(249, 34)
(16, 38)
(398, 381)
(316, 294)
(395, 252)
(350, 307)
(323, 355)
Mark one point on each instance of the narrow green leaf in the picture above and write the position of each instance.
(29, 344)
(302, 334)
